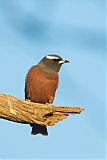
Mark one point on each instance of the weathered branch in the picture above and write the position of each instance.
(21, 111)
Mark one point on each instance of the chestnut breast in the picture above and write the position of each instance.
(41, 85)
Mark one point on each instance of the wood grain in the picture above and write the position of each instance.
(21, 111)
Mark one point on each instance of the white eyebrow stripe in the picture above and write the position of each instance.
(52, 57)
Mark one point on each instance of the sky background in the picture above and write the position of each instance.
(75, 30)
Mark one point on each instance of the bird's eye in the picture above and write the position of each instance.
(56, 60)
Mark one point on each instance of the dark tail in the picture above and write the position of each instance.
(36, 129)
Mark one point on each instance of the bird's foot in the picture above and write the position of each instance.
(28, 100)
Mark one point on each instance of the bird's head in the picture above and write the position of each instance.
(52, 62)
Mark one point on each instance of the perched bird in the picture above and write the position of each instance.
(41, 84)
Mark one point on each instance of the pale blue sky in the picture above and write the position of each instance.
(74, 29)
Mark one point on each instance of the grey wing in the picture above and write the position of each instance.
(26, 97)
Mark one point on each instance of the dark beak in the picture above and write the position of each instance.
(66, 61)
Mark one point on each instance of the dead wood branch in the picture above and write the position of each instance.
(14, 109)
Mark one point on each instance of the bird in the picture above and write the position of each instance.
(41, 83)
